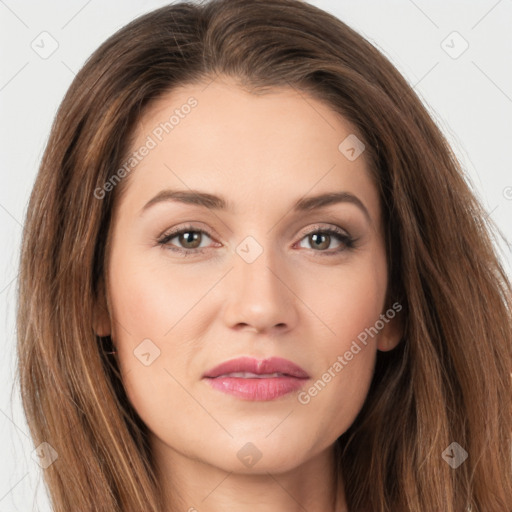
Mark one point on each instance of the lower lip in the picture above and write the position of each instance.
(257, 389)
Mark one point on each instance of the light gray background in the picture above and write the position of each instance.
(470, 97)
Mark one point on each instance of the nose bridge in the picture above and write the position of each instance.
(259, 296)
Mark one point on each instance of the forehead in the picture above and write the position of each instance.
(220, 137)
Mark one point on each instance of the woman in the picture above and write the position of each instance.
(337, 335)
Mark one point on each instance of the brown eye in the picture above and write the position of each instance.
(185, 240)
(190, 239)
(320, 241)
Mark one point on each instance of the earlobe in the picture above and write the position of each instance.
(391, 334)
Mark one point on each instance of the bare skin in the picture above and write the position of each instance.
(297, 300)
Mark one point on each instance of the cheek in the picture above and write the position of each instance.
(347, 351)
(147, 300)
(153, 321)
(348, 302)
(341, 383)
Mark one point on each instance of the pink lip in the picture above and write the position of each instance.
(266, 388)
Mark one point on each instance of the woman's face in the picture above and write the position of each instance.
(256, 276)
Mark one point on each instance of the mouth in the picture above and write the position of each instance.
(249, 375)
(260, 380)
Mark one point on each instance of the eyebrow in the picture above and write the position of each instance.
(197, 198)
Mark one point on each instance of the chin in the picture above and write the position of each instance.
(254, 458)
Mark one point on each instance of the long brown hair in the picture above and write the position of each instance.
(447, 381)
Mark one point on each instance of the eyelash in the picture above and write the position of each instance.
(344, 238)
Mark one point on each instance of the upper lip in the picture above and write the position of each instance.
(258, 366)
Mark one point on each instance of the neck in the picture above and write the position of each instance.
(195, 486)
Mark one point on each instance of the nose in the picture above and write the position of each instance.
(260, 296)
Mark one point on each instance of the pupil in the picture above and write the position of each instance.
(190, 237)
(321, 245)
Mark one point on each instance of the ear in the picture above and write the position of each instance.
(392, 332)
(101, 320)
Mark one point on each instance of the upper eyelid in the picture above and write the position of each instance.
(175, 232)
(316, 227)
